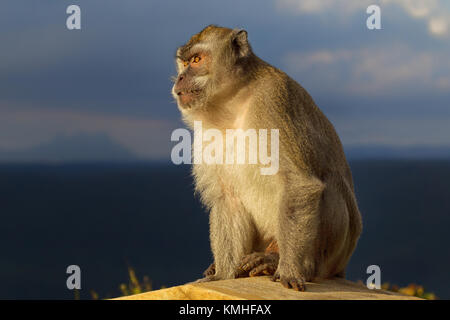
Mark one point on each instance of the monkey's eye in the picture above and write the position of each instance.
(185, 63)
(196, 59)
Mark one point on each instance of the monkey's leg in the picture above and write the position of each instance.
(231, 236)
(260, 263)
(298, 225)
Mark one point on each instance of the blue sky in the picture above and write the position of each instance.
(388, 87)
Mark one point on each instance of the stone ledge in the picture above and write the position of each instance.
(261, 288)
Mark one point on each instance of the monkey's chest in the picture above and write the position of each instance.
(247, 192)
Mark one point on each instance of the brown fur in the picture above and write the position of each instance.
(308, 208)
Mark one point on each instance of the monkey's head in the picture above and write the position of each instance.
(209, 66)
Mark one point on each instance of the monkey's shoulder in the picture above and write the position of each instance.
(307, 138)
(278, 92)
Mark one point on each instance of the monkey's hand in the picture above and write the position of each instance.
(258, 264)
(290, 279)
(210, 271)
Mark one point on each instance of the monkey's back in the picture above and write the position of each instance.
(310, 140)
(310, 146)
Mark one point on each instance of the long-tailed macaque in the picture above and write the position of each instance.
(299, 224)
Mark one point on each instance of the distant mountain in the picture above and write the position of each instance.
(397, 152)
(76, 148)
(101, 147)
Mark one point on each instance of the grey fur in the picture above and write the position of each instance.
(309, 207)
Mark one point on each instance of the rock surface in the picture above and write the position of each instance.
(261, 288)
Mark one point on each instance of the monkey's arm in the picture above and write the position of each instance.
(231, 236)
(298, 231)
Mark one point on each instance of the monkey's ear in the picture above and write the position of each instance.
(240, 43)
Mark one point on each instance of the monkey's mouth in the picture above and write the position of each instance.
(187, 97)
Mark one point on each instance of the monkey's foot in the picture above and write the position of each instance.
(206, 279)
(297, 283)
(210, 271)
(258, 264)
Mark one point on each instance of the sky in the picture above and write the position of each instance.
(103, 92)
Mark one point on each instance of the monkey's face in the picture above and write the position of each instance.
(208, 67)
(193, 76)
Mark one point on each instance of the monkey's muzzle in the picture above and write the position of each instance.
(186, 97)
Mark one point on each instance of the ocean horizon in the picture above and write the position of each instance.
(106, 217)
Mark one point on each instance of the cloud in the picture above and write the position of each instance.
(35, 48)
(435, 12)
(80, 147)
(402, 131)
(443, 83)
(314, 6)
(438, 26)
(372, 71)
(24, 128)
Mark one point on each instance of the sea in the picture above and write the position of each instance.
(109, 217)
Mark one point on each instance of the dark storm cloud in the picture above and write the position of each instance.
(374, 85)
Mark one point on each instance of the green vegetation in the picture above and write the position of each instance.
(134, 286)
(410, 290)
